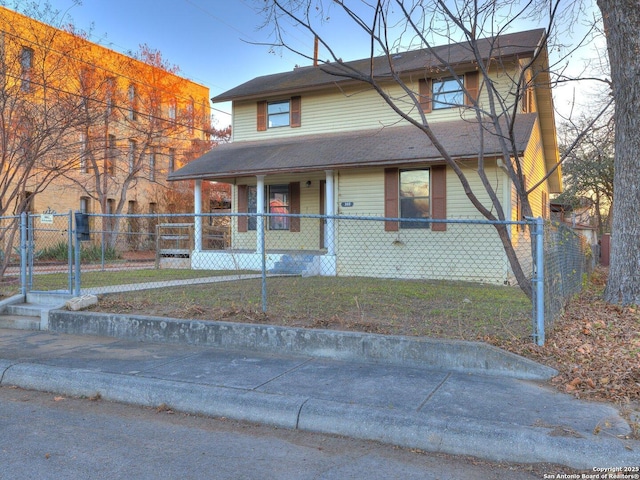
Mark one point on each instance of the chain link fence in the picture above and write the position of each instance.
(126, 253)
(568, 261)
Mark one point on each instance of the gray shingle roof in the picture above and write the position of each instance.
(386, 146)
(503, 46)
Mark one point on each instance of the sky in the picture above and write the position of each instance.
(207, 39)
(214, 42)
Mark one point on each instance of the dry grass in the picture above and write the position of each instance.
(456, 310)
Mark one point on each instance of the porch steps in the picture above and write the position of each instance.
(30, 315)
(293, 264)
(19, 322)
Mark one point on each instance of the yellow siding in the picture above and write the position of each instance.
(533, 166)
(351, 108)
(309, 236)
(464, 252)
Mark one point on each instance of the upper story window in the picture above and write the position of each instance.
(133, 152)
(86, 80)
(441, 93)
(152, 164)
(446, 93)
(172, 160)
(282, 113)
(278, 114)
(109, 94)
(84, 152)
(26, 67)
(112, 153)
(133, 102)
(528, 103)
(173, 109)
(191, 112)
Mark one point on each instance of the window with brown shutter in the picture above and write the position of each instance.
(472, 85)
(281, 113)
(425, 94)
(242, 208)
(411, 205)
(439, 196)
(262, 116)
(294, 206)
(296, 112)
(391, 186)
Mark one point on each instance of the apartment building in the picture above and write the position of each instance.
(87, 128)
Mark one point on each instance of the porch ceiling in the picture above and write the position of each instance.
(384, 146)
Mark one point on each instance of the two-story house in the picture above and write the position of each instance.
(310, 141)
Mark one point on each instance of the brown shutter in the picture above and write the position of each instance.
(471, 84)
(262, 116)
(296, 112)
(391, 187)
(294, 206)
(425, 94)
(439, 196)
(242, 208)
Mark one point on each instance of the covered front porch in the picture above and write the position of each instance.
(298, 244)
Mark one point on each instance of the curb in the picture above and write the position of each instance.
(247, 405)
(452, 355)
(496, 441)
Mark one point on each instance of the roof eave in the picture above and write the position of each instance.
(315, 168)
(346, 81)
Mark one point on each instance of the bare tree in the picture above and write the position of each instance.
(392, 25)
(588, 170)
(136, 125)
(38, 117)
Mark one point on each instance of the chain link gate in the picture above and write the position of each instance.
(47, 252)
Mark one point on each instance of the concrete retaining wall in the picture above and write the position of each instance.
(473, 357)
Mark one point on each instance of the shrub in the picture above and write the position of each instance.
(88, 253)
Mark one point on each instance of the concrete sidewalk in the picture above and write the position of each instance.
(489, 416)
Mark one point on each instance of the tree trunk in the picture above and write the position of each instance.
(524, 281)
(622, 30)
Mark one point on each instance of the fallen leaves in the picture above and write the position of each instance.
(595, 347)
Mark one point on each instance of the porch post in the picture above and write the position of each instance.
(197, 210)
(260, 210)
(329, 233)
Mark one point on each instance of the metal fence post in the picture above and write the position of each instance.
(77, 261)
(261, 226)
(31, 246)
(538, 281)
(70, 249)
(23, 253)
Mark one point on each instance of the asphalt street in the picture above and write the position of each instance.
(49, 436)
